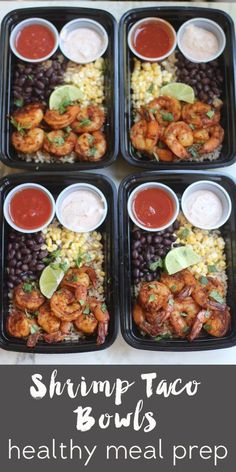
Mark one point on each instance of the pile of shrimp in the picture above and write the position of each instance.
(181, 306)
(70, 308)
(168, 130)
(77, 129)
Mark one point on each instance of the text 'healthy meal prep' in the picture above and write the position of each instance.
(176, 90)
(58, 95)
(54, 271)
(179, 281)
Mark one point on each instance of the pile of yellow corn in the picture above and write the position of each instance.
(207, 244)
(89, 78)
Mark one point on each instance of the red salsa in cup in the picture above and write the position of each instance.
(30, 208)
(35, 41)
(153, 207)
(153, 38)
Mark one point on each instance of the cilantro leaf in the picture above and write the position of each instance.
(152, 298)
(85, 122)
(184, 233)
(154, 265)
(34, 329)
(216, 296)
(92, 151)
(210, 113)
(27, 288)
(212, 268)
(183, 314)
(86, 311)
(63, 106)
(82, 302)
(17, 125)
(19, 102)
(104, 307)
(167, 116)
(150, 88)
(203, 280)
(163, 336)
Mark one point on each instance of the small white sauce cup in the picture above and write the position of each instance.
(146, 20)
(219, 191)
(208, 25)
(71, 189)
(28, 22)
(145, 187)
(6, 207)
(83, 23)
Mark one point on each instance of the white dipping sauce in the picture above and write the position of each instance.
(82, 210)
(82, 44)
(199, 43)
(204, 208)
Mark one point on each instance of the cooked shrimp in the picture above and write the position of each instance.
(163, 154)
(18, 325)
(33, 339)
(165, 109)
(87, 323)
(200, 136)
(56, 337)
(200, 115)
(29, 141)
(57, 120)
(153, 296)
(144, 135)
(59, 143)
(64, 305)
(89, 119)
(28, 117)
(216, 323)
(177, 282)
(47, 320)
(205, 295)
(177, 137)
(140, 318)
(91, 147)
(215, 138)
(27, 297)
(99, 310)
(75, 277)
(65, 327)
(183, 315)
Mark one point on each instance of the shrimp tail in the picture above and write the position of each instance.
(197, 325)
(102, 332)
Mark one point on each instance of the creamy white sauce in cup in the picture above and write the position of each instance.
(82, 44)
(204, 208)
(199, 43)
(82, 209)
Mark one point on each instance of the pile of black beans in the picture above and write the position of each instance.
(24, 257)
(148, 248)
(35, 82)
(205, 78)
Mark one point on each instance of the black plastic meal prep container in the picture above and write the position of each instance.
(178, 182)
(55, 182)
(59, 16)
(177, 16)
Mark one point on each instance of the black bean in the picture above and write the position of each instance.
(149, 278)
(147, 257)
(42, 254)
(10, 285)
(137, 234)
(143, 239)
(176, 224)
(149, 238)
(40, 266)
(136, 263)
(136, 244)
(157, 239)
(135, 254)
(151, 249)
(36, 247)
(167, 242)
(25, 267)
(136, 272)
(49, 72)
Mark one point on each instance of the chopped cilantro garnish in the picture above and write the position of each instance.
(19, 102)
(203, 280)
(163, 336)
(154, 265)
(82, 302)
(173, 288)
(86, 310)
(27, 288)
(207, 327)
(184, 233)
(59, 141)
(216, 296)
(85, 122)
(63, 106)
(150, 88)
(90, 139)
(17, 125)
(30, 77)
(191, 126)
(152, 298)
(185, 329)
(183, 314)
(92, 151)
(160, 145)
(171, 302)
(34, 329)
(212, 268)
(167, 116)
(104, 307)
(210, 113)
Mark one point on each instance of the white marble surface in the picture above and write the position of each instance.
(119, 352)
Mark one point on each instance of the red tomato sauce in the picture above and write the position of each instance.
(30, 208)
(35, 41)
(153, 39)
(153, 207)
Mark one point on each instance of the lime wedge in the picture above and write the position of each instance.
(180, 91)
(64, 94)
(49, 281)
(180, 258)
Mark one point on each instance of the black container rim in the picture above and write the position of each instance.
(210, 344)
(162, 165)
(70, 348)
(80, 166)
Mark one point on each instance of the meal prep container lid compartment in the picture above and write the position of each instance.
(178, 15)
(60, 16)
(55, 182)
(178, 182)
